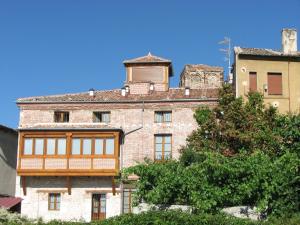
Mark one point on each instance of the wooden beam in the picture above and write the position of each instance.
(24, 185)
(113, 185)
(69, 185)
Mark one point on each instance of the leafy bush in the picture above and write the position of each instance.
(174, 218)
(7, 217)
(216, 181)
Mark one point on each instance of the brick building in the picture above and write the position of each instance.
(72, 146)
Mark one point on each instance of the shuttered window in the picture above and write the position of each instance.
(252, 81)
(274, 83)
(163, 116)
(148, 73)
(101, 117)
(61, 117)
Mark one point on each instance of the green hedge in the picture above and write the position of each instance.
(156, 218)
(175, 218)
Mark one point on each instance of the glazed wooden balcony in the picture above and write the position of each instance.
(65, 153)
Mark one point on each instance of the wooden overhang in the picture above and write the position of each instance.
(68, 164)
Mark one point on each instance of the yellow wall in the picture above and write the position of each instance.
(289, 101)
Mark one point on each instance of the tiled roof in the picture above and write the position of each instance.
(262, 52)
(114, 96)
(5, 128)
(147, 59)
(194, 67)
(8, 202)
(70, 126)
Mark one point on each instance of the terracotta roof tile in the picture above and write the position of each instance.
(70, 126)
(262, 52)
(114, 96)
(8, 202)
(147, 59)
(195, 67)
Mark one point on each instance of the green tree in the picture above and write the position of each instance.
(235, 126)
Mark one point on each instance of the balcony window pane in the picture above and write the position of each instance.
(99, 146)
(28, 146)
(50, 146)
(39, 146)
(87, 146)
(110, 147)
(76, 146)
(61, 145)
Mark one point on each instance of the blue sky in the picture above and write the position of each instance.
(60, 46)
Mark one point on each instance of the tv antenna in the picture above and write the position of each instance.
(227, 52)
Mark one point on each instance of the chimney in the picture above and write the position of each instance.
(123, 91)
(289, 41)
(187, 91)
(92, 92)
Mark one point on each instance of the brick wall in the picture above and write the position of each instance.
(137, 145)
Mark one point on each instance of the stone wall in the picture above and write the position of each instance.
(201, 76)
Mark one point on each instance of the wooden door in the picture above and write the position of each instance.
(98, 206)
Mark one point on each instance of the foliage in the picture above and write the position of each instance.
(216, 181)
(174, 218)
(12, 218)
(242, 153)
(235, 126)
(169, 217)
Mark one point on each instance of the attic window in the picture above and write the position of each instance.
(61, 117)
(101, 117)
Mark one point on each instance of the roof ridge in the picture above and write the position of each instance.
(66, 94)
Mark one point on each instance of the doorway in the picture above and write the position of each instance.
(98, 206)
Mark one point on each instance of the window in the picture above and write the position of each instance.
(101, 117)
(61, 117)
(100, 146)
(28, 144)
(87, 146)
(127, 201)
(54, 201)
(41, 146)
(56, 146)
(163, 147)
(76, 146)
(252, 81)
(274, 83)
(110, 147)
(163, 116)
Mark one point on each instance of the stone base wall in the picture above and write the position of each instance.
(74, 207)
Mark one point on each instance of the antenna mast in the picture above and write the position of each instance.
(227, 52)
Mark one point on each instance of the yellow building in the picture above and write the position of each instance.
(275, 74)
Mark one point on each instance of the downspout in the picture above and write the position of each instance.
(122, 149)
(289, 87)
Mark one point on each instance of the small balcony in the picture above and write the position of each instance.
(68, 153)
